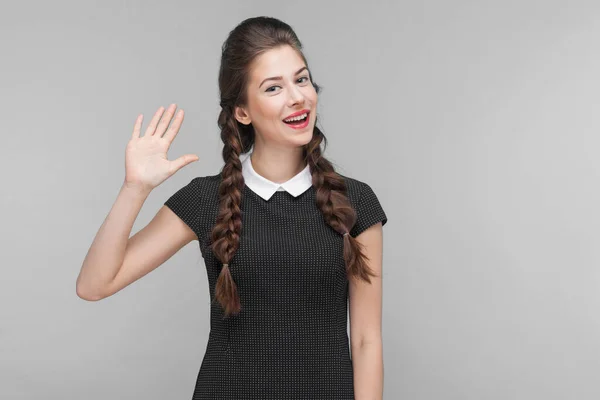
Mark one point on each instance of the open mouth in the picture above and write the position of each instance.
(298, 122)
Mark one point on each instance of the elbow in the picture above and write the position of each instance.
(367, 341)
(86, 294)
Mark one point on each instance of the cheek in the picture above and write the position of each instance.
(311, 95)
(271, 109)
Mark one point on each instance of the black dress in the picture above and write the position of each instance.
(290, 339)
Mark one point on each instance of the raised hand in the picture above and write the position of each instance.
(146, 163)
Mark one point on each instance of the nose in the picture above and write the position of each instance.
(296, 96)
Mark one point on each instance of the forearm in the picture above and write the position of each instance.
(105, 256)
(367, 363)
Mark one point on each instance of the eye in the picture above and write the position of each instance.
(271, 87)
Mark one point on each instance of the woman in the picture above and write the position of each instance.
(286, 240)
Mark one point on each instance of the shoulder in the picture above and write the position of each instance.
(208, 185)
(354, 188)
(369, 210)
(200, 190)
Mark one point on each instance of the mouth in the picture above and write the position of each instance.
(298, 122)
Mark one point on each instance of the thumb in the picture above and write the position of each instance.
(182, 161)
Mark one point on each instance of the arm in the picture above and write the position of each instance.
(365, 321)
(114, 260)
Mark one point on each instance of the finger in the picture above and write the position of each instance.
(174, 128)
(182, 161)
(165, 120)
(152, 127)
(137, 127)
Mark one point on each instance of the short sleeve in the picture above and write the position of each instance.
(184, 203)
(369, 211)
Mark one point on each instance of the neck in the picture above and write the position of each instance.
(279, 166)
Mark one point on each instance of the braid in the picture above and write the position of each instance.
(337, 211)
(331, 199)
(225, 234)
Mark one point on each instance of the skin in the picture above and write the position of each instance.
(277, 156)
(365, 304)
(277, 153)
(115, 260)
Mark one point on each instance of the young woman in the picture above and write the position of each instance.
(286, 240)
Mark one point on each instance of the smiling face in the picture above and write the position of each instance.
(270, 101)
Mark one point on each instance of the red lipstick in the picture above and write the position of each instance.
(297, 113)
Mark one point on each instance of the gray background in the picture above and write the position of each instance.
(475, 122)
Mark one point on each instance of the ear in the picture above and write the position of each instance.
(241, 115)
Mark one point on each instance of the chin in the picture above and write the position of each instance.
(300, 139)
(306, 137)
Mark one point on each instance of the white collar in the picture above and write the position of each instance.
(266, 188)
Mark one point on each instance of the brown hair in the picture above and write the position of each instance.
(251, 38)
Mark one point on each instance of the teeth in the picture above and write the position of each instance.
(299, 117)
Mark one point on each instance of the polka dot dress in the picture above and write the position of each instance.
(290, 339)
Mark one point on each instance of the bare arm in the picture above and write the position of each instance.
(115, 260)
(365, 321)
(106, 254)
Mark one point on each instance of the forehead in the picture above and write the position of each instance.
(281, 61)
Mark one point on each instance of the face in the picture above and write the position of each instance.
(270, 101)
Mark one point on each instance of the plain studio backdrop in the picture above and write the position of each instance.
(475, 122)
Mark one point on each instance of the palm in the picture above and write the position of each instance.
(146, 162)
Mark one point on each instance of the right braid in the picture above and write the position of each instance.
(225, 234)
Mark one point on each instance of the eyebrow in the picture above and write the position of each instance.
(276, 78)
